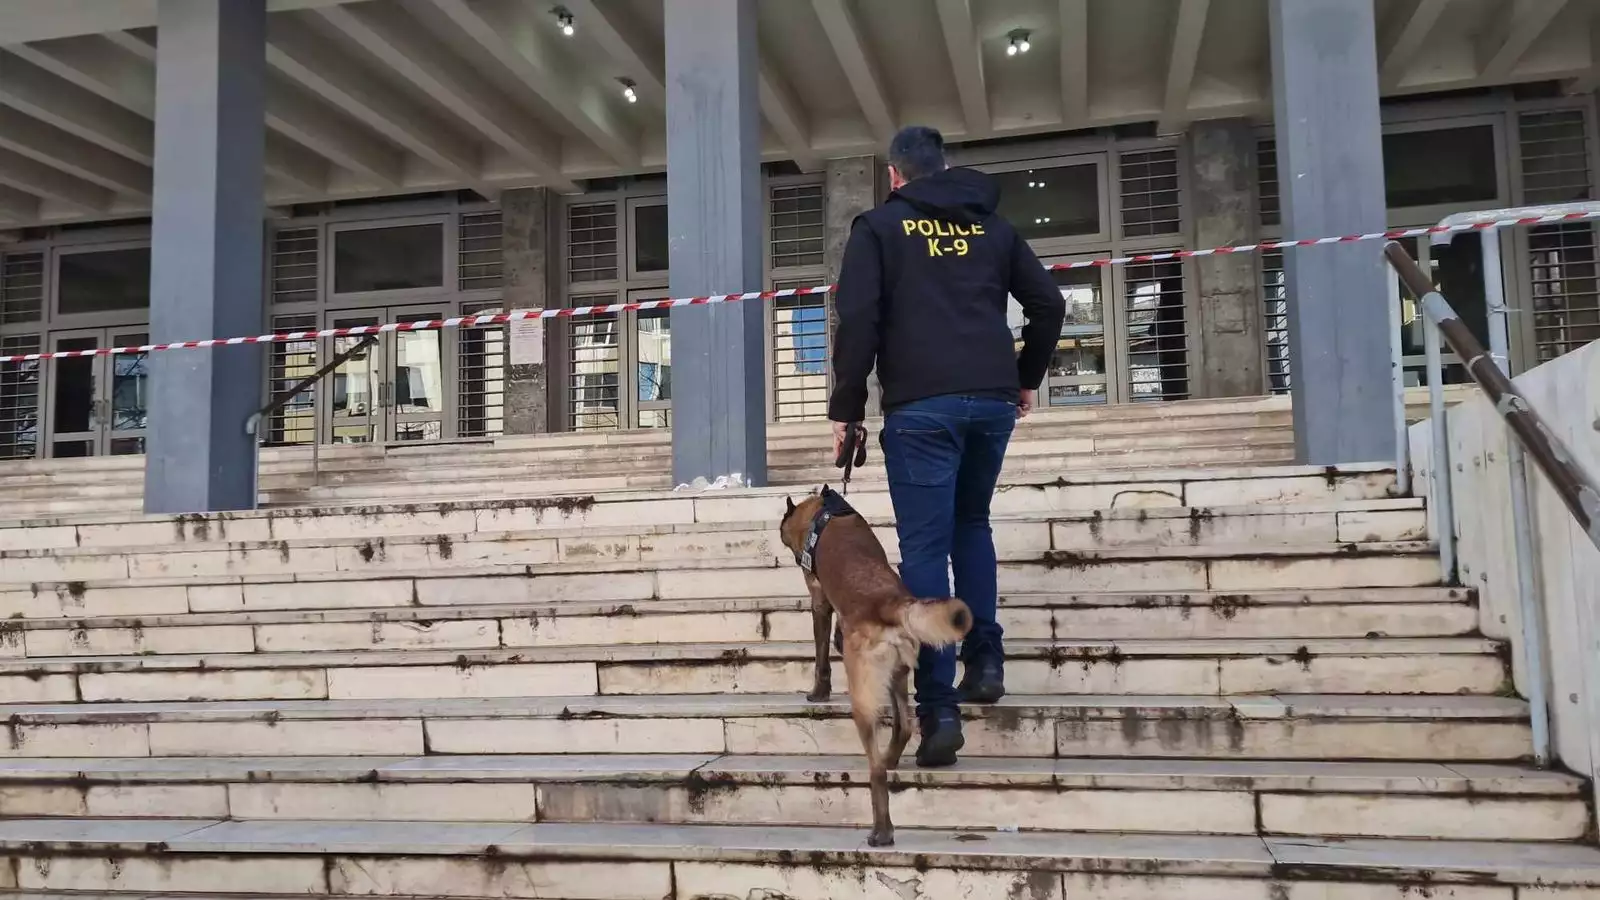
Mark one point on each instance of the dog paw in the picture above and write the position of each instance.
(881, 838)
(820, 695)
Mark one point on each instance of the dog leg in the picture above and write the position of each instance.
(900, 707)
(867, 682)
(822, 631)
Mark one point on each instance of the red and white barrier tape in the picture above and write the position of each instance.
(580, 311)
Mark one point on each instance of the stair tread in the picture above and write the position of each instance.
(1101, 773)
(1375, 596)
(1064, 651)
(1407, 706)
(1511, 863)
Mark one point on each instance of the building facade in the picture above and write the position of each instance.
(460, 156)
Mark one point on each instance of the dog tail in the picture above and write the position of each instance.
(937, 623)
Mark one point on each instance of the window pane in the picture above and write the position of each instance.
(650, 238)
(104, 280)
(1056, 202)
(1429, 168)
(388, 259)
(653, 343)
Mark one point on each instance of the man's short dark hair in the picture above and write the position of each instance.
(917, 151)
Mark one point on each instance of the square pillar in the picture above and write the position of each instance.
(851, 186)
(206, 254)
(715, 234)
(1330, 173)
(1222, 162)
(524, 219)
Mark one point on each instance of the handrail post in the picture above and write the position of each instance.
(1402, 440)
(1443, 500)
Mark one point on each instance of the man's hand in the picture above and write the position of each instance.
(840, 431)
(1025, 403)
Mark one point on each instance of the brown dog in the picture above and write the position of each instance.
(884, 627)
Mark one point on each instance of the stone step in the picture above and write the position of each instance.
(1265, 726)
(1085, 491)
(1330, 799)
(614, 861)
(1207, 667)
(1337, 613)
(1018, 536)
(425, 575)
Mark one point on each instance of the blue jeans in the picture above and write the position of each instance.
(943, 455)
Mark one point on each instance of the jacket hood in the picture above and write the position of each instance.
(964, 196)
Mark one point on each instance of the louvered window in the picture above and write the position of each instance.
(1157, 331)
(1562, 258)
(482, 369)
(289, 363)
(799, 356)
(1269, 204)
(21, 287)
(295, 253)
(797, 226)
(1150, 196)
(1275, 320)
(19, 399)
(592, 243)
(480, 261)
(1566, 293)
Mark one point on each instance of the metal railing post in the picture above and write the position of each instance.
(1402, 440)
(1443, 501)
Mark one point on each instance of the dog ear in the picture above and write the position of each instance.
(789, 502)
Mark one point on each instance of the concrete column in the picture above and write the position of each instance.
(851, 186)
(715, 234)
(524, 218)
(1222, 162)
(206, 260)
(1330, 173)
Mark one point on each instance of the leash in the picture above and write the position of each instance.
(852, 454)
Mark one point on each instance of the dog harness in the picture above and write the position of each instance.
(833, 506)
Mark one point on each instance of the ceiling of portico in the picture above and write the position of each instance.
(394, 96)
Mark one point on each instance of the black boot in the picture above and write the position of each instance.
(984, 680)
(941, 740)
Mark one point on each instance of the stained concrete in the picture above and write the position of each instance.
(852, 189)
(525, 217)
(1222, 160)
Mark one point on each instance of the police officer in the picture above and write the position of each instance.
(922, 294)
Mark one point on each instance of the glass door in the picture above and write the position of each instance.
(1457, 270)
(649, 363)
(412, 395)
(1079, 372)
(354, 415)
(99, 405)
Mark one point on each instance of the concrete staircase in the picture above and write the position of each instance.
(1227, 682)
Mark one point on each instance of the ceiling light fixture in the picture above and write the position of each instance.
(1018, 42)
(564, 20)
(628, 91)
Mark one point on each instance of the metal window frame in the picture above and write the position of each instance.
(328, 262)
(476, 307)
(460, 264)
(102, 434)
(1078, 243)
(59, 321)
(29, 343)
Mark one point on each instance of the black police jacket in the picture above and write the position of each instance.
(922, 293)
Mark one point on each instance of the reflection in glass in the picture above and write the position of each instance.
(419, 373)
(592, 394)
(1058, 201)
(650, 238)
(653, 337)
(352, 384)
(1078, 364)
(129, 392)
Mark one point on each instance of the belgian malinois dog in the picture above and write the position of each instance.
(882, 624)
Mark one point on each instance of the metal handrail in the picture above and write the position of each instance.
(1577, 489)
(1530, 437)
(252, 425)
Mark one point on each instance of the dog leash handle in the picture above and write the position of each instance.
(853, 453)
